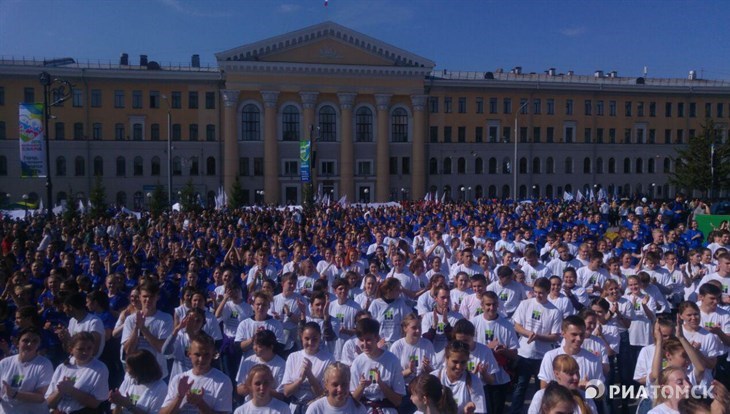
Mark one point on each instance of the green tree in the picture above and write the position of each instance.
(71, 212)
(236, 199)
(158, 200)
(188, 198)
(704, 164)
(97, 198)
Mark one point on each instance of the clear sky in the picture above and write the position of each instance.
(668, 37)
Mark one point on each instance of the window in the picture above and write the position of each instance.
(176, 99)
(680, 109)
(536, 165)
(121, 167)
(680, 136)
(612, 135)
(327, 124)
(507, 105)
(447, 105)
(492, 166)
(612, 166)
(692, 110)
(668, 109)
(251, 123)
(640, 135)
(639, 166)
(478, 166)
(569, 165)
(210, 166)
(291, 168)
(96, 98)
(551, 106)
(599, 108)
(588, 107)
(137, 99)
(667, 136)
(568, 135)
(447, 134)
(708, 110)
(154, 99)
(599, 135)
(640, 109)
(479, 134)
(480, 105)
(652, 109)
(192, 100)
(155, 132)
(536, 106)
(652, 136)
(492, 105)
(210, 100)
(611, 108)
(506, 166)
(399, 128)
(461, 165)
(523, 165)
(79, 167)
(327, 168)
(524, 107)
(364, 124)
(550, 138)
(523, 134)
(720, 110)
(691, 133)
(119, 99)
(568, 107)
(493, 130)
(176, 132)
(291, 123)
(667, 166)
(2, 95)
(587, 135)
(506, 134)
(60, 130)
(119, 132)
(599, 165)
(651, 166)
(586, 165)
(3, 166)
(627, 135)
(365, 168)
(78, 130)
(536, 134)
(462, 105)
(193, 132)
(210, 132)
(61, 166)
(155, 166)
(433, 104)
(627, 108)
(393, 166)
(176, 166)
(447, 166)
(137, 132)
(138, 166)
(461, 134)
(434, 134)
(243, 166)
(433, 166)
(78, 98)
(96, 133)
(627, 166)
(28, 95)
(3, 131)
(194, 166)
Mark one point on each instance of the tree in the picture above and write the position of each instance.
(158, 200)
(236, 199)
(71, 213)
(97, 199)
(704, 164)
(188, 198)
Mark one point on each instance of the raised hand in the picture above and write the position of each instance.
(183, 386)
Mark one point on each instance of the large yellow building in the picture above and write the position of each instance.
(386, 125)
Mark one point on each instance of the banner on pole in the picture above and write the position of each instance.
(32, 141)
(305, 153)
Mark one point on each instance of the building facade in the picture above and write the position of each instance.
(384, 125)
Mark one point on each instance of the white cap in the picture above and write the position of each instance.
(643, 200)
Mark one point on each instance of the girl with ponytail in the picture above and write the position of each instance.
(430, 396)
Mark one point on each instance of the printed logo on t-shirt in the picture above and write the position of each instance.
(134, 398)
(340, 317)
(440, 327)
(489, 334)
(536, 315)
(724, 288)
(470, 366)
(637, 305)
(413, 358)
(503, 296)
(593, 279)
(479, 311)
(234, 315)
(709, 324)
(17, 380)
(388, 315)
(196, 391)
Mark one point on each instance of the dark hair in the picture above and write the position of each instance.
(100, 298)
(366, 326)
(542, 283)
(340, 282)
(143, 366)
(464, 327)
(76, 301)
(694, 405)
(265, 338)
(504, 271)
(478, 277)
(32, 313)
(150, 287)
(555, 394)
(430, 386)
(573, 320)
(204, 339)
(710, 289)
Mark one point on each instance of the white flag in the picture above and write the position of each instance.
(443, 197)
(567, 196)
(578, 196)
(342, 201)
(592, 196)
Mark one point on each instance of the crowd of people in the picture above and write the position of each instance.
(488, 307)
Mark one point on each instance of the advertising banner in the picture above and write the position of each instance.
(305, 152)
(32, 141)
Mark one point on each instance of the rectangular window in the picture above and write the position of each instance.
(680, 136)
(708, 110)
(652, 109)
(506, 134)
(551, 106)
(3, 131)
(627, 135)
(193, 132)
(393, 166)
(599, 108)
(243, 166)
(364, 168)
(461, 134)
(652, 136)
(137, 99)
(176, 100)
(480, 105)
(119, 132)
(193, 100)
(507, 105)
(720, 110)
(536, 134)
(78, 130)
(479, 134)
(96, 98)
(568, 135)
(493, 130)
(523, 134)
(523, 106)
(60, 130)
(492, 105)
(568, 107)
(405, 165)
(29, 95)
(176, 132)
(78, 98)
(327, 168)
(667, 136)
(611, 108)
(2, 95)
(447, 105)
(536, 106)
(462, 105)
(640, 109)
(291, 168)
(627, 108)
(154, 99)
(550, 138)
(588, 107)
(119, 98)
(599, 135)
(434, 133)
(447, 134)
(210, 100)
(691, 133)
(210, 132)
(155, 132)
(137, 132)
(680, 109)
(668, 109)
(433, 104)
(612, 135)
(96, 131)
(258, 166)
(587, 135)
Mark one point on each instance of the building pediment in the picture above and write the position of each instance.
(324, 43)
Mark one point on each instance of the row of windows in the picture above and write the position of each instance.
(462, 192)
(589, 167)
(590, 107)
(291, 124)
(120, 98)
(191, 164)
(121, 133)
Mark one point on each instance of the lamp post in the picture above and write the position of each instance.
(403, 194)
(169, 152)
(25, 204)
(366, 190)
(653, 191)
(514, 160)
(149, 201)
(463, 193)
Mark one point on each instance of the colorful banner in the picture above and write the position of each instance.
(305, 152)
(32, 141)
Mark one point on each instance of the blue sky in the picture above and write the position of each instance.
(668, 37)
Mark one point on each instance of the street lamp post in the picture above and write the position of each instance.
(366, 190)
(169, 152)
(25, 204)
(514, 161)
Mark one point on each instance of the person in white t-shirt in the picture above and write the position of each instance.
(566, 373)
(264, 343)
(176, 345)
(641, 315)
(143, 389)
(259, 321)
(416, 353)
(343, 310)
(574, 331)
(202, 388)
(558, 298)
(707, 343)
(674, 384)
(81, 320)
(389, 309)
(509, 292)
(467, 388)
(471, 306)
(721, 274)
(25, 376)
(429, 395)
(337, 399)
(304, 369)
(231, 311)
(261, 382)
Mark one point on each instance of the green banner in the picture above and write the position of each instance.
(707, 223)
(305, 151)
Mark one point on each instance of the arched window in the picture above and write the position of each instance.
(210, 166)
(569, 188)
(3, 165)
(493, 168)
(155, 166)
(523, 165)
(447, 166)
(549, 191)
(550, 166)
(79, 167)
(667, 165)
(122, 199)
(492, 192)
(627, 189)
(478, 166)
(523, 191)
(639, 166)
(536, 165)
(250, 123)
(399, 128)
(569, 165)
(506, 166)
(586, 165)
(433, 166)
(290, 125)
(627, 166)
(651, 166)
(210, 199)
(505, 191)
(176, 166)
(121, 166)
(535, 191)
(612, 166)
(194, 166)
(61, 166)
(461, 165)
(478, 192)
(138, 166)
(327, 124)
(364, 125)
(599, 166)
(138, 200)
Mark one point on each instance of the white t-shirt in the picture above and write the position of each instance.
(90, 323)
(500, 329)
(425, 303)
(273, 407)
(640, 333)
(26, 377)
(277, 366)
(439, 340)
(510, 296)
(537, 402)
(248, 328)
(215, 386)
(147, 397)
(406, 352)
(662, 409)
(643, 363)
(92, 378)
(563, 304)
(345, 316)
(710, 345)
(463, 393)
(532, 273)
(160, 325)
(587, 278)
(589, 365)
(543, 319)
(389, 368)
(293, 370)
(178, 349)
(350, 350)
(390, 317)
(322, 406)
(481, 354)
(289, 327)
(232, 315)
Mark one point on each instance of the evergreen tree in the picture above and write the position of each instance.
(97, 198)
(236, 199)
(187, 197)
(704, 164)
(158, 201)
